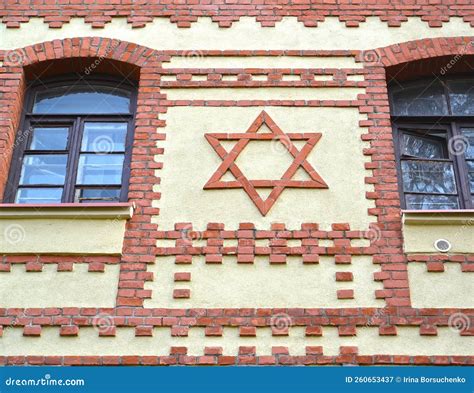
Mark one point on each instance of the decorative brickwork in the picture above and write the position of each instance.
(277, 186)
(394, 12)
(144, 240)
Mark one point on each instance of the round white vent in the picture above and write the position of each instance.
(442, 245)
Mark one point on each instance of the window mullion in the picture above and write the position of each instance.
(74, 148)
(462, 170)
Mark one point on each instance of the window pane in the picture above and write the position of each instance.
(431, 202)
(82, 99)
(468, 140)
(39, 195)
(417, 146)
(461, 97)
(428, 99)
(49, 138)
(104, 137)
(100, 169)
(97, 195)
(427, 176)
(44, 169)
(470, 168)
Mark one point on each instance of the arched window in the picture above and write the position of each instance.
(433, 123)
(74, 143)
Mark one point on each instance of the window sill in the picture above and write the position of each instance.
(438, 217)
(421, 229)
(67, 210)
(73, 228)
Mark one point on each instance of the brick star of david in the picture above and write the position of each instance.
(250, 186)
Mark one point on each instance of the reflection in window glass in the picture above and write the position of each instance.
(39, 195)
(429, 177)
(49, 138)
(418, 146)
(461, 97)
(104, 137)
(468, 134)
(470, 168)
(44, 169)
(431, 202)
(82, 99)
(97, 195)
(100, 169)
(420, 100)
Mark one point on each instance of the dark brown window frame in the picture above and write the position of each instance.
(75, 122)
(451, 123)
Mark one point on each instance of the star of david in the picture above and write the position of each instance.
(250, 186)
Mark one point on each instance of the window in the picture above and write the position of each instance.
(434, 143)
(74, 144)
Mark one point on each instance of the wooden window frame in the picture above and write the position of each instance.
(75, 123)
(452, 124)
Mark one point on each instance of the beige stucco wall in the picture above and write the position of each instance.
(407, 342)
(261, 62)
(189, 161)
(451, 288)
(262, 284)
(50, 288)
(420, 238)
(274, 93)
(287, 34)
(69, 235)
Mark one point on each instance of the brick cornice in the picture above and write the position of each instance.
(312, 12)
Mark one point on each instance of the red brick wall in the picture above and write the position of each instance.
(141, 235)
(310, 12)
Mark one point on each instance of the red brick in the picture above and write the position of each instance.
(345, 294)
(69, 330)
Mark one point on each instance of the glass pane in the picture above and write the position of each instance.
(49, 138)
(470, 168)
(419, 100)
(104, 138)
(431, 202)
(417, 146)
(461, 96)
(97, 195)
(100, 169)
(39, 195)
(82, 99)
(468, 141)
(43, 169)
(429, 177)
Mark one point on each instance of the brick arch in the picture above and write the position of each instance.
(423, 49)
(107, 48)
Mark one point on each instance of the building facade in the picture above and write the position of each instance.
(237, 183)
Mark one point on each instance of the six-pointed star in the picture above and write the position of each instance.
(277, 186)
